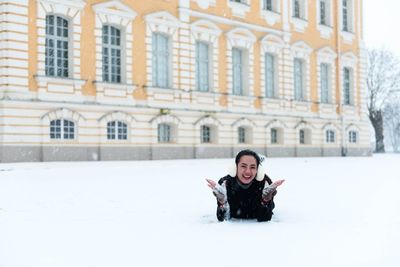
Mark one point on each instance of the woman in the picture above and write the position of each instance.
(248, 194)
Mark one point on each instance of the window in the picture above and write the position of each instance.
(346, 86)
(164, 133)
(296, 9)
(330, 136)
(298, 79)
(241, 135)
(117, 130)
(57, 47)
(111, 54)
(274, 136)
(345, 15)
(270, 75)
(160, 60)
(202, 66)
(62, 129)
(205, 134)
(352, 137)
(237, 66)
(324, 82)
(323, 15)
(268, 5)
(302, 136)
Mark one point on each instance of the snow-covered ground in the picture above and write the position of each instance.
(330, 212)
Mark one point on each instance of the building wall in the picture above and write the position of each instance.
(30, 99)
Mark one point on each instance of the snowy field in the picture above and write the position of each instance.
(329, 212)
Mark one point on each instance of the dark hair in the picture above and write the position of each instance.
(247, 152)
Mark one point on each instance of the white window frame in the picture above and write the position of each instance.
(211, 122)
(242, 135)
(207, 32)
(274, 136)
(330, 136)
(347, 32)
(238, 72)
(271, 75)
(162, 23)
(325, 30)
(302, 51)
(117, 130)
(65, 72)
(246, 124)
(158, 55)
(271, 16)
(349, 60)
(164, 133)
(325, 82)
(301, 22)
(279, 127)
(327, 56)
(243, 40)
(306, 136)
(66, 130)
(273, 45)
(307, 130)
(121, 16)
(353, 137)
(298, 79)
(70, 10)
(205, 134)
(203, 67)
(348, 98)
(114, 53)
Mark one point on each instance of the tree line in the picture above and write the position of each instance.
(383, 104)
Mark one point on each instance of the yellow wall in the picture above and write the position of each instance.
(88, 55)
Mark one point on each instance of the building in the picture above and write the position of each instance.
(157, 79)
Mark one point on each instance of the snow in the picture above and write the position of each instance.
(329, 212)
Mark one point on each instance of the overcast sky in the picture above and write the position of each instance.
(382, 20)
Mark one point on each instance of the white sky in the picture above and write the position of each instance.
(381, 18)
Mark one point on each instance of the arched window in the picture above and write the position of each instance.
(205, 134)
(62, 129)
(111, 54)
(117, 130)
(164, 133)
(57, 47)
(330, 136)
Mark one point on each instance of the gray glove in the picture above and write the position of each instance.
(268, 192)
(219, 192)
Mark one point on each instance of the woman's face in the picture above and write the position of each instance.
(246, 169)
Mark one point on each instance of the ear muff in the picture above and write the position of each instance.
(260, 172)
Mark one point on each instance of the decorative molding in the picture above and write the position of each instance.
(162, 22)
(118, 116)
(243, 122)
(239, 9)
(241, 37)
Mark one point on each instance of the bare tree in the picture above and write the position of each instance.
(383, 78)
(391, 117)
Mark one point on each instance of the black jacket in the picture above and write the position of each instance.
(245, 201)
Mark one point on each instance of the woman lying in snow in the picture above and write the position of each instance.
(248, 193)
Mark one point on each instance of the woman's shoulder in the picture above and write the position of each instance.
(226, 178)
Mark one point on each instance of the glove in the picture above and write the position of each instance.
(219, 192)
(268, 192)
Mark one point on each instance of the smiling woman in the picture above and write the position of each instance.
(248, 194)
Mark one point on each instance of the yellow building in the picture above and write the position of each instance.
(156, 79)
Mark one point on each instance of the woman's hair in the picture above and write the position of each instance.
(247, 152)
